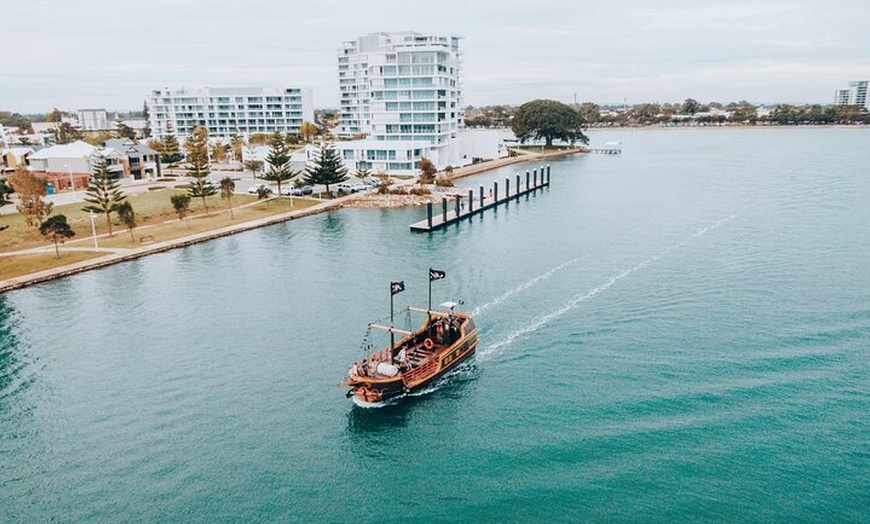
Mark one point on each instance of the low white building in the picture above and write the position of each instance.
(229, 111)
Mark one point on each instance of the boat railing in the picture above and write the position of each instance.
(413, 375)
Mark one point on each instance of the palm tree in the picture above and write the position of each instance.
(227, 188)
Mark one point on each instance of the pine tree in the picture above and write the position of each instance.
(198, 167)
(104, 193)
(170, 153)
(327, 169)
(278, 160)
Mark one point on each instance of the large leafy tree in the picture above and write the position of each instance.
(550, 120)
(104, 193)
(30, 190)
(198, 166)
(278, 160)
(327, 169)
(56, 229)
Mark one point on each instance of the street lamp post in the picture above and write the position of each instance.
(94, 232)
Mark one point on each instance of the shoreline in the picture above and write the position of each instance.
(355, 200)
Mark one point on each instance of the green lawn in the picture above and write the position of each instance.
(151, 207)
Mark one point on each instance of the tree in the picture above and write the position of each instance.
(227, 189)
(122, 130)
(4, 191)
(263, 193)
(363, 173)
(170, 152)
(427, 171)
(219, 152)
(548, 119)
(128, 217)
(181, 205)
(236, 143)
(104, 193)
(308, 131)
(590, 112)
(278, 160)
(258, 139)
(65, 133)
(56, 229)
(327, 169)
(691, 106)
(30, 190)
(254, 166)
(198, 167)
(55, 115)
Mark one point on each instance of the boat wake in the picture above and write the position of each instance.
(499, 346)
(522, 287)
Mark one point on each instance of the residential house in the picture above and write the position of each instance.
(66, 166)
(13, 157)
(132, 160)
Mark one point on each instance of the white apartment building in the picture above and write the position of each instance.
(403, 93)
(93, 119)
(229, 111)
(854, 95)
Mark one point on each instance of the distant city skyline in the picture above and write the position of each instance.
(97, 54)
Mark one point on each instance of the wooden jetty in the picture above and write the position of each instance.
(610, 148)
(459, 207)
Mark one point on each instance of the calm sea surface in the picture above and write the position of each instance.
(680, 333)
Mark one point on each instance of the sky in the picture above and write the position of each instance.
(77, 54)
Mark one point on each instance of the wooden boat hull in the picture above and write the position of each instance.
(425, 362)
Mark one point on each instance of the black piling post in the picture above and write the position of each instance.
(527, 182)
(443, 210)
(535, 179)
(518, 186)
(507, 188)
(429, 214)
(470, 201)
(495, 191)
(548, 174)
(481, 196)
(457, 206)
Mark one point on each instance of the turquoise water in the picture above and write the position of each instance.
(678, 333)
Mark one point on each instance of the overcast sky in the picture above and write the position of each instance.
(75, 54)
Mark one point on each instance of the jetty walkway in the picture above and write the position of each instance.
(464, 207)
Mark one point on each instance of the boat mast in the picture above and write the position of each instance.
(395, 288)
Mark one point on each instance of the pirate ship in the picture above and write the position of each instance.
(445, 338)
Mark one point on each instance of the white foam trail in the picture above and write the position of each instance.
(498, 346)
(568, 306)
(522, 287)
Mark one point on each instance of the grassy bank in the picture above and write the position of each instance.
(157, 222)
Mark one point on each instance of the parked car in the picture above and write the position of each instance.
(302, 191)
(286, 191)
(352, 187)
(253, 189)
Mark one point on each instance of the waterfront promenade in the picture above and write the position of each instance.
(115, 255)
